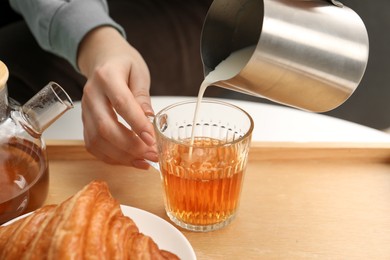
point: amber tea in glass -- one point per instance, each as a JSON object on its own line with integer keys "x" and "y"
{"x": 202, "y": 168}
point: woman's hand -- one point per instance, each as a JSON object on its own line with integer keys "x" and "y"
{"x": 118, "y": 82}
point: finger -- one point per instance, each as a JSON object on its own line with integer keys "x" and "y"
{"x": 137, "y": 163}
{"x": 139, "y": 84}
{"x": 100, "y": 127}
{"x": 137, "y": 149}
{"x": 100, "y": 123}
{"x": 104, "y": 150}
{"x": 127, "y": 106}
{"x": 143, "y": 99}
{"x": 111, "y": 155}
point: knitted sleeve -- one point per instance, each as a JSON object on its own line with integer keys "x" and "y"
{"x": 60, "y": 25}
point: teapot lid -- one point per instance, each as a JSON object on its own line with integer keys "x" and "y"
{"x": 3, "y": 75}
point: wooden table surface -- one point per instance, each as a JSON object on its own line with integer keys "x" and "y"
{"x": 299, "y": 201}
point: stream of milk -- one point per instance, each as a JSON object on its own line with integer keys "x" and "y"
{"x": 226, "y": 69}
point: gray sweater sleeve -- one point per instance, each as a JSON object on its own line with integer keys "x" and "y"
{"x": 60, "y": 25}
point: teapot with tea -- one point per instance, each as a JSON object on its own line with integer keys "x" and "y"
{"x": 24, "y": 177}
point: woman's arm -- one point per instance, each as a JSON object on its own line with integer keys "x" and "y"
{"x": 59, "y": 26}
{"x": 118, "y": 79}
{"x": 118, "y": 82}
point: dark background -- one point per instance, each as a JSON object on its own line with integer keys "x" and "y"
{"x": 7, "y": 15}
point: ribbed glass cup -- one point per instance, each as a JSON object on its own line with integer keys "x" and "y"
{"x": 202, "y": 177}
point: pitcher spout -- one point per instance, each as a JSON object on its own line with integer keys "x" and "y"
{"x": 46, "y": 107}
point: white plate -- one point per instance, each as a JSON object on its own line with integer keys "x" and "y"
{"x": 165, "y": 235}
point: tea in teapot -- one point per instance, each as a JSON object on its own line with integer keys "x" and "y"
{"x": 24, "y": 176}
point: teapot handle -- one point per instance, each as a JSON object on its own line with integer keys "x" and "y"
{"x": 336, "y": 3}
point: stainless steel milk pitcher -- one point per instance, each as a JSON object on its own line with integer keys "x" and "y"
{"x": 309, "y": 54}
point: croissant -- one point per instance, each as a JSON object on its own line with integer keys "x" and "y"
{"x": 88, "y": 225}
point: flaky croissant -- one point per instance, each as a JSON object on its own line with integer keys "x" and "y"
{"x": 89, "y": 225}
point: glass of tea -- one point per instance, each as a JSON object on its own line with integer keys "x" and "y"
{"x": 203, "y": 150}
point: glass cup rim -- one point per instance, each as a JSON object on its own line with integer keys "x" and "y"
{"x": 204, "y": 100}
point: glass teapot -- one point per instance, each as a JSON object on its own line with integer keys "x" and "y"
{"x": 24, "y": 177}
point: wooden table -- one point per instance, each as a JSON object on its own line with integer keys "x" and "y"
{"x": 299, "y": 200}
